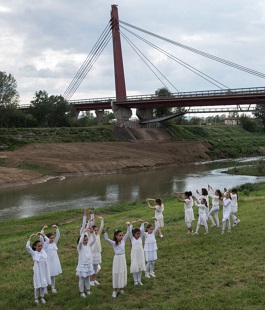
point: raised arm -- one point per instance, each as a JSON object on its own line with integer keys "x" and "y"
{"x": 42, "y": 231}
{"x": 83, "y": 222}
{"x": 107, "y": 238}
{"x": 128, "y": 231}
{"x": 92, "y": 218}
{"x": 101, "y": 225}
{"x": 92, "y": 238}
{"x": 28, "y": 247}
{"x": 148, "y": 203}
{"x": 178, "y": 193}
{"x": 57, "y": 235}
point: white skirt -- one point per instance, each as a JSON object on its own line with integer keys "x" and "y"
{"x": 202, "y": 220}
{"x": 119, "y": 271}
{"x": 189, "y": 216}
{"x": 160, "y": 220}
{"x": 234, "y": 209}
{"x": 137, "y": 259}
{"x": 54, "y": 264}
{"x": 41, "y": 274}
{"x": 84, "y": 270}
{"x": 150, "y": 255}
{"x": 96, "y": 258}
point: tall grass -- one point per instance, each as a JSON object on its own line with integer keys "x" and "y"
{"x": 211, "y": 271}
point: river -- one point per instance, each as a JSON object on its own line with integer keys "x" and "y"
{"x": 104, "y": 190}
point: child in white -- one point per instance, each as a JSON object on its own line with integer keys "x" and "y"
{"x": 188, "y": 204}
{"x": 41, "y": 271}
{"x": 150, "y": 249}
{"x": 96, "y": 251}
{"x": 119, "y": 267}
{"x": 216, "y": 199}
{"x": 159, "y": 208}
{"x": 137, "y": 253}
{"x": 234, "y": 206}
{"x": 204, "y": 194}
{"x": 84, "y": 268}
{"x": 202, "y": 220}
{"x": 50, "y": 247}
{"x": 226, "y": 212}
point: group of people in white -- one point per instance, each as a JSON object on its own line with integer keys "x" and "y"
{"x": 47, "y": 264}
{"x": 201, "y": 201}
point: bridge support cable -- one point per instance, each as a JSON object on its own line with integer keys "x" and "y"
{"x": 138, "y": 52}
{"x": 181, "y": 62}
{"x": 88, "y": 63}
{"x": 207, "y": 55}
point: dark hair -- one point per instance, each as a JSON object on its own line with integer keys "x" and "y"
{"x": 94, "y": 226}
{"x": 78, "y": 239}
{"x": 135, "y": 230}
{"x": 116, "y": 232}
{"x": 234, "y": 191}
{"x": 204, "y": 192}
{"x": 188, "y": 193}
{"x": 159, "y": 201}
{"x": 148, "y": 226}
{"x": 34, "y": 244}
{"x": 219, "y": 193}
{"x": 49, "y": 235}
{"x": 205, "y": 202}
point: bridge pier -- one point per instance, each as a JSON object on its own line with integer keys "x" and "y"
{"x": 144, "y": 114}
{"x": 100, "y": 116}
{"x": 122, "y": 114}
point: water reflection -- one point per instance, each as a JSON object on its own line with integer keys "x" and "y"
{"x": 103, "y": 190}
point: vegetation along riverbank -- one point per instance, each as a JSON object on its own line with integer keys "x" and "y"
{"x": 211, "y": 271}
{"x": 33, "y": 155}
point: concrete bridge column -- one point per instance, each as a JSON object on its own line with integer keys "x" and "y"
{"x": 122, "y": 114}
{"x": 100, "y": 116}
{"x": 144, "y": 114}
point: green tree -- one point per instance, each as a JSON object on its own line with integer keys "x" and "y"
{"x": 260, "y": 114}
{"x": 163, "y": 92}
{"x": 8, "y": 90}
{"x": 51, "y": 111}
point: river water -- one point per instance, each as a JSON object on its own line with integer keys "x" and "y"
{"x": 103, "y": 190}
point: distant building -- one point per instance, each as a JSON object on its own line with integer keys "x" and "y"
{"x": 232, "y": 121}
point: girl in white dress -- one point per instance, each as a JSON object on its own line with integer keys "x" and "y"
{"x": 84, "y": 268}
{"x": 119, "y": 267}
{"x": 150, "y": 249}
{"x": 226, "y": 212}
{"x": 216, "y": 199}
{"x": 96, "y": 251}
{"x": 137, "y": 252}
{"x": 202, "y": 220}
{"x": 188, "y": 204}
{"x": 50, "y": 247}
{"x": 159, "y": 208}
{"x": 41, "y": 271}
{"x": 234, "y": 206}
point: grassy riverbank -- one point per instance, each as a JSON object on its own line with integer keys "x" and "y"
{"x": 211, "y": 271}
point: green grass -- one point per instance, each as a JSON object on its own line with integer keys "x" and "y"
{"x": 34, "y": 167}
{"x": 211, "y": 271}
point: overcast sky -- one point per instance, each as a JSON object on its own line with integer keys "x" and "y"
{"x": 44, "y": 43}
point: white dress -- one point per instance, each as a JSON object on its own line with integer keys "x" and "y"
{"x": 51, "y": 250}
{"x": 137, "y": 252}
{"x": 189, "y": 215}
{"x": 159, "y": 215}
{"x": 119, "y": 267}
{"x": 234, "y": 205}
{"x": 150, "y": 246}
{"x": 41, "y": 271}
{"x": 85, "y": 267}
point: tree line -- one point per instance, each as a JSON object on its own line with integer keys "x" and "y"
{"x": 54, "y": 111}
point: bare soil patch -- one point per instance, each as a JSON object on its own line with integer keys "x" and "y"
{"x": 96, "y": 157}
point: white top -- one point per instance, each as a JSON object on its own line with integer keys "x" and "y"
{"x": 188, "y": 204}
{"x": 234, "y": 200}
{"x": 119, "y": 249}
{"x": 201, "y": 208}
{"x": 96, "y": 247}
{"x": 205, "y": 197}
{"x": 84, "y": 251}
{"x": 226, "y": 207}
{"x": 48, "y": 247}
{"x": 36, "y": 255}
{"x": 159, "y": 211}
{"x": 84, "y": 223}
{"x": 215, "y": 199}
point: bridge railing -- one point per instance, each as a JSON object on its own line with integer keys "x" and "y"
{"x": 207, "y": 93}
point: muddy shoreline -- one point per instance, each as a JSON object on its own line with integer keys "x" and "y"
{"x": 90, "y": 158}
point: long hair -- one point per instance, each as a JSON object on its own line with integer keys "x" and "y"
{"x": 204, "y": 192}
{"x": 135, "y": 230}
{"x": 158, "y": 201}
{"x": 234, "y": 191}
{"x": 219, "y": 193}
{"x": 116, "y": 232}
{"x": 205, "y": 202}
{"x": 148, "y": 226}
